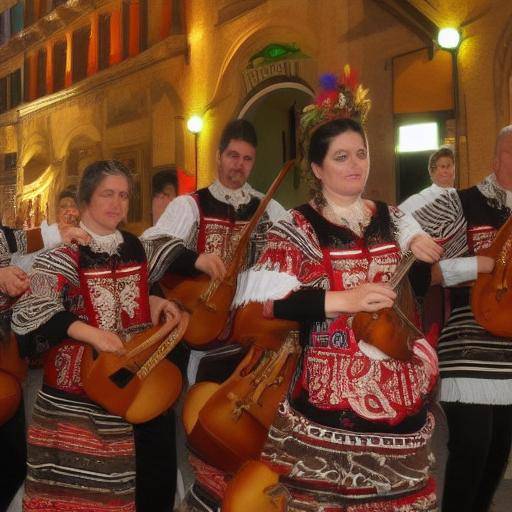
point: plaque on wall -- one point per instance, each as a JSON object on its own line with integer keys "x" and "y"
{"x": 275, "y": 59}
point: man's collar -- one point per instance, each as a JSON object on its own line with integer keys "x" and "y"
{"x": 234, "y": 197}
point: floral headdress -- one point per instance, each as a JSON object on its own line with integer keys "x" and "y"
{"x": 338, "y": 98}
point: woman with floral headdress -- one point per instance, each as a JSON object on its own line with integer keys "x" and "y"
{"x": 352, "y": 434}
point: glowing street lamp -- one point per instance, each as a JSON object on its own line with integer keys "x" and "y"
{"x": 448, "y": 38}
{"x": 195, "y": 124}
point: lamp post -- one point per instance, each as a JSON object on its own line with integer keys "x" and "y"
{"x": 195, "y": 125}
{"x": 449, "y": 39}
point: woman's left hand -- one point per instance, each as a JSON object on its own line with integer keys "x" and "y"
{"x": 163, "y": 310}
{"x": 425, "y": 248}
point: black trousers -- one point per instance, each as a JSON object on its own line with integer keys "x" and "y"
{"x": 478, "y": 448}
{"x": 13, "y": 457}
{"x": 155, "y": 464}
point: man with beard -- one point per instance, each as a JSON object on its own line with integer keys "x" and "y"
{"x": 210, "y": 221}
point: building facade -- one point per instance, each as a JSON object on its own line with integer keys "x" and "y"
{"x": 82, "y": 80}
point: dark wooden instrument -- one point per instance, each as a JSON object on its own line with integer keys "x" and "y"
{"x": 391, "y": 329}
{"x": 141, "y": 384}
{"x": 227, "y": 424}
{"x": 491, "y": 296}
{"x": 209, "y": 301}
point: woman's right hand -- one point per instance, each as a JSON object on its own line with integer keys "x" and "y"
{"x": 366, "y": 297}
{"x": 102, "y": 341}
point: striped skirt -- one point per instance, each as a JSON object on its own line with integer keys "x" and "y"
{"x": 326, "y": 469}
{"x": 80, "y": 458}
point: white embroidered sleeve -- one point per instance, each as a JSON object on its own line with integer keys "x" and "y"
{"x": 458, "y": 270}
{"x": 178, "y": 220}
{"x": 408, "y": 228}
{"x": 51, "y": 235}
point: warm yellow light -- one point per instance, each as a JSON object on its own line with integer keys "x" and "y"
{"x": 448, "y": 38}
{"x": 195, "y": 124}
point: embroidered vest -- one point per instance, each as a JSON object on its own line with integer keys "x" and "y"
{"x": 336, "y": 374}
{"x": 113, "y": 295}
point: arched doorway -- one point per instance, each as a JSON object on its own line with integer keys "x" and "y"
{"x": 274, "y": 111}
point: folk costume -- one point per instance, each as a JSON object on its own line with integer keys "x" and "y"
{"x": 211, "y": 220}
{"x": 352, "y": 434}
{"x": 12, "y": 433}
{"x": 79, "y": 456}
{"x": 475, "y": 365}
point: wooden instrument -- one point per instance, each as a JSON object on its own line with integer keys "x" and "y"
{"x": 255, "y": 488}
{"x": 141, "y": 384}
{"x": 390, "y": 329}
{"x": 491, "y": 297}
{"x": 10, "y": 396}
{"x": 10, "y": 360}
{"x": 227, "y": 424}
{"x": 209, "y": 301}
{"x": 13, "y": 371}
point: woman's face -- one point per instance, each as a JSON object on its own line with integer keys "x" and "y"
{"x": 344, "y": 171}
{"x": 67, "y": 212}
{"x": 108, "y": 205}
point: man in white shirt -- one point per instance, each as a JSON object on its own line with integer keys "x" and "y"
{"x": 441, "y": 167}
{"x": 475, "y": 365}
{"x": 210, "y": 222}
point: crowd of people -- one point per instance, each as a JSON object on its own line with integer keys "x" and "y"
{"x": 354, "y": 431}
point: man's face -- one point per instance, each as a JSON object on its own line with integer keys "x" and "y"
{"x": 443, "y": 174}
{"x": 235, "y": 163}
{"x": 502, "y": 164}
{"x": 161, "y": 200}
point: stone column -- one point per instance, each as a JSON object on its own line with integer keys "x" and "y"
{"x": 116, "y": 36}
{"x": 92, "y": 56}
{"x": 134, "y": 42}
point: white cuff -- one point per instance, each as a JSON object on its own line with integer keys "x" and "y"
{"x": 51, "y": 235}
{"x": 408, "y": 228}
{"x": 458, "y": 270}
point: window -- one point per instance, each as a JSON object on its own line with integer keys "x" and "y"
{"x": 16, "y": 18}
{"x": 15, "y": 79}
{"x": 59, "y": 65}
{"x": 41, "y": 73}
{"x": 418, "y": 137}
{"x": 3, "y": 94}
{"x": 104, "y": 41}
{"x": 80, "y": 52}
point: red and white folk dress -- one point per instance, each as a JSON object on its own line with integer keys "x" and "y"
{"x": 352, "y": 434}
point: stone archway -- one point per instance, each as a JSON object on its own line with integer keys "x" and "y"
{"x": 274, "y": 110}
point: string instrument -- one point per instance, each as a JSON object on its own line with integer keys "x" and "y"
{"x": 227, "y": 424}
{"x": 491, "y": 300}
{"x": 208, "y": 300}
{"x": 255, "y": 488}
{"x": 13, "y": 371}
{"x": 140, "y": 384}
{"x": 390, "y": 329}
